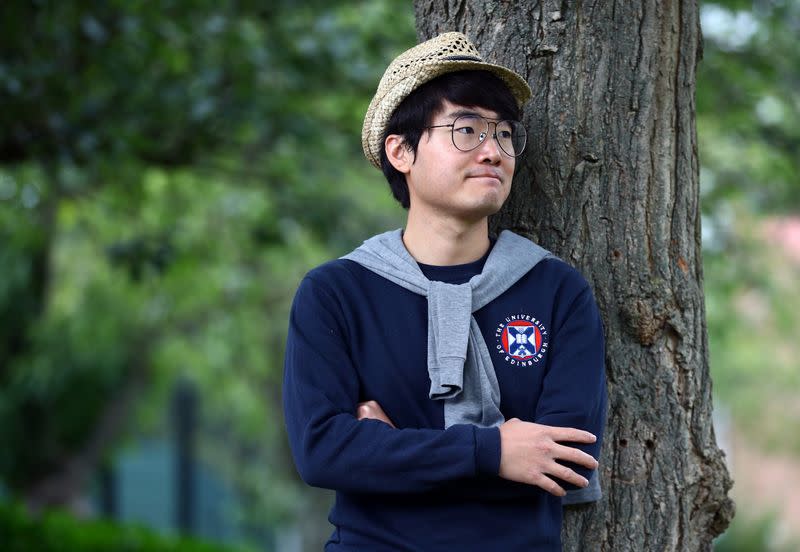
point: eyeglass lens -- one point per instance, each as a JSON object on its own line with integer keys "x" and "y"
{"x": 469, "y": 132}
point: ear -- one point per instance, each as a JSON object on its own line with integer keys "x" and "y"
{"x": 398, "y": 154}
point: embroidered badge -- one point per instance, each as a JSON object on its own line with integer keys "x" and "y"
{"x": 521, "y": 340}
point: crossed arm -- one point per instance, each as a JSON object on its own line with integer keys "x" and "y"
{"x": 341, "y": 444}
{"x": 528, "y": 452}
{"x": 548, "y": 451}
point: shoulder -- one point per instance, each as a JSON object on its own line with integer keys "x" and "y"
{"x": 550, "y": 270}
{"x": 568, "y": 292}
{"x": 323, "y": 294}
{"x": 573, "y": 301}
{"x": 332, "y": 271}
{"x": 560, "y": 276}
{"x": 341, "y": 280}
{"x": 331, "y": 278}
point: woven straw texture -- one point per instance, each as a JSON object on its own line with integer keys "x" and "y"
{"x": 445, "y": 53}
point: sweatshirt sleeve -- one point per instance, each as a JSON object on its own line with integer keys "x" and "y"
{"x": 574, "y": 389}
{"x": 331, "y": 447}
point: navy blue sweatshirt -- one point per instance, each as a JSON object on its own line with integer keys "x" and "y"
{"x": 354, "y": 336}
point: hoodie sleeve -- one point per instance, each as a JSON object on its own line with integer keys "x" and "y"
{"x": 331, "y": 447}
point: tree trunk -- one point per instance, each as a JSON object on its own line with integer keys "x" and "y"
{"x": 610, "y": 184}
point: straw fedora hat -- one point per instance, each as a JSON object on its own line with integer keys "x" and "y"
{"x": 445, "y": 53}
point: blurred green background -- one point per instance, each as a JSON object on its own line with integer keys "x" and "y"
{"x": 168, "y": 173}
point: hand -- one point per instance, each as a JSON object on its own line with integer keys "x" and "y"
{"x": 528, "y": 454}
{"x": 373, "y": 411}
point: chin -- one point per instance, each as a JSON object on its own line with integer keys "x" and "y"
{"x": 492, "y": 203}
{"x": 481, "y": 211}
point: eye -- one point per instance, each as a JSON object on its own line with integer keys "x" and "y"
{"x": 504, "y": 130}
{"x": 467, "y": 125}
{"x": 464, "y": 129}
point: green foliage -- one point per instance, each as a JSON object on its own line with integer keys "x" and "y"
{"x": 748, "y": 119}
{"x": 751, "y": 306}
{"x": 753, "y": 535}
{"x": 748, "y": 104}
{"x": 169, "y": 174}
{"x": 57, "y": 532}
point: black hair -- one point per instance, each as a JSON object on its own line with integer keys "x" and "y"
{"x": 466, "y": 88}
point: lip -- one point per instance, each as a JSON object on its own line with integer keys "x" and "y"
{"x": 486, "y": 174}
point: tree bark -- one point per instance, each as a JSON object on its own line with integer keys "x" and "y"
{"x": 610, "y": 184}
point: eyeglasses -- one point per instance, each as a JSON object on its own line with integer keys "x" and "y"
{"x": 469, "y": 132}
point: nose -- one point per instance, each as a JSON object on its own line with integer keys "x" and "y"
{"x": 489, "y": 150}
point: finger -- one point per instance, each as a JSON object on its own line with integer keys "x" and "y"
{"x": 378, "y": 413}
{"x": 368, "y": 409}
{"x": 571, "y": 434}
{"x": 576, "y": 456}
{"x": 547, "y": 484}
{"x": 568, "y": 475}
{"x": 363, "y": 411}
{"x": 372, "y": 410}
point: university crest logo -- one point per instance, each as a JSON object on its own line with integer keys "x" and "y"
{"x": 522, "y": 340}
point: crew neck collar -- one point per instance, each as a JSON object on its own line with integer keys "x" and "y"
{"x": 455, "y": 274}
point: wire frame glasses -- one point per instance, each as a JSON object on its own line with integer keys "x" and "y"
{"x": 470, "y": 131}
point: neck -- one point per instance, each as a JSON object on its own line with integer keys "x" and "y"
{"x": 444, "y": 242}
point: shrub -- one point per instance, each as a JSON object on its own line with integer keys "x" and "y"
{"x": 60, "y": 532}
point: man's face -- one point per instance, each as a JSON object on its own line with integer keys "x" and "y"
{"x": 468, "y": 185}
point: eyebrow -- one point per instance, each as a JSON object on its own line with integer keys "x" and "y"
{"x": 467, "y": 112}
{"x": 462, "y": 112}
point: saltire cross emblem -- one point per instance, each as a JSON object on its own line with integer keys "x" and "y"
{"x": 521, "y": 339}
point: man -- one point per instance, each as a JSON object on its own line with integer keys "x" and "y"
{"x": 448, "y": 386}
